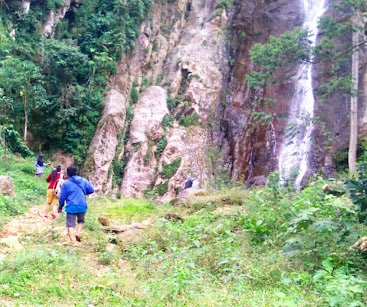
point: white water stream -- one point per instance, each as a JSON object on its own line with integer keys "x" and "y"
{"x": 294, "y": 153}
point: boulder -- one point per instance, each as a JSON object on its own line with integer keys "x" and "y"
{"x": 7, "y": 186}
{"x": 104, "y": 220}
{"x": 361, "y": 244}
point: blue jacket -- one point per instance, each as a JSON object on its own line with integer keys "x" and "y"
{"x": 73, "y": 191}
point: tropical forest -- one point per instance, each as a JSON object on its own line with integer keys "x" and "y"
{"x": 222, "y": 145}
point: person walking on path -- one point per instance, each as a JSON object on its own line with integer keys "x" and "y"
{"x": 52, "y": 199}
{"x": 40, "y": 166}
{"x": 73, "y": 192}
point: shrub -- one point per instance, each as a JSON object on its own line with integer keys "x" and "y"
{"x": 161, "y": 145}
{"x": 226, "y": 4}
{"x": 167, "y": 121}
{"x": 169, "y": 170}
{"x": 162, "y": 188}
{"x": 134, "y": 95}
{"x": 188, "y": 121}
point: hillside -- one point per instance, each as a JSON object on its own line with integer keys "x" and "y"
{"x": 233, "y": 247}
{"x": 141, "y": 93}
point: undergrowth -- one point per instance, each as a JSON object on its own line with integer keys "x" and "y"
{"x": 235, "y": 247}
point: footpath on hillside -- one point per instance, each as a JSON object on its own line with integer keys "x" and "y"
{"x": 31, "y": 223}
{"x": 32, "y": 226}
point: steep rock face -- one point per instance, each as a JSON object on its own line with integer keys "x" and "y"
{"x": 195, "y": 108}
{"x": 332, "y": 127}
{"x": 146, "y": 129}
{"x": 180, "y": 49}
{"x": 196, "y": 69}
{"x": 48, "y": 27}
{"x": 254, "y": 144}
{"x": 104, "y": 144}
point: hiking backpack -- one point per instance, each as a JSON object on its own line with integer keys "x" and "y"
{"x": 57, "y": 186}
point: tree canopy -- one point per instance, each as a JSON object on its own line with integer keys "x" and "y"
{"x": 55, "y": 86}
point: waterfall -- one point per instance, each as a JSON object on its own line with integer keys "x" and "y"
{"x": 294, "y": 153}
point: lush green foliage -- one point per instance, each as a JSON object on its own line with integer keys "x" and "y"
{"x": 289, "y": 49}
{"x": 357, "y": 188}
{"x": 188, "y": 121}
{"x": 333, "y": 51}
{"x": 161, "y": 145}
{"x": 232, "y": 247}
{"x": 77, "y": 62}
{"x": 170, "y": 169}
{"x": 28, "y": 189}
{"x": 161, "y": 189}
{"x": 224, "y": 4}
{"x": 131, "y": 210}
{"x": 14, "y": 141}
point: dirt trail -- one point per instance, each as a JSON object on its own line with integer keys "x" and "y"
{"x": 31, "y": 223}
{"x": 24, "y": 229}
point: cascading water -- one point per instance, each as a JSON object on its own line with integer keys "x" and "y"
{"x": 294, "y": 153}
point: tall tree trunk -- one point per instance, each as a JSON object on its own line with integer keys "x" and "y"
{"x": 25, "y": 117}
{"x": 352, "y": 155}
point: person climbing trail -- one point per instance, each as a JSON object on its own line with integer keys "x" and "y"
{"x": 73, "y": 192}
{"x": 40, "y": 166}
{"x": 52, "y": 200}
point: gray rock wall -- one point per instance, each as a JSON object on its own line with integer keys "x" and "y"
{"x": 179, "y": 57}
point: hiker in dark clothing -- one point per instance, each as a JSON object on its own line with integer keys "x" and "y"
{"x": 188, "y": 182}
{"x": 40, "y": 166}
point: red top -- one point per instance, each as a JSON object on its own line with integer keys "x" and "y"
{"x": 52, "y": 182}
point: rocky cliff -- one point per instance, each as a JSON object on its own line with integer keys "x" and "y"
{"x": 180, "y": 69}
{"x": 180, "y": 104}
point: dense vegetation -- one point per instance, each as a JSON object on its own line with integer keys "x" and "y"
{"x": 234, "y": 247}
{"x": 54, "y": 86}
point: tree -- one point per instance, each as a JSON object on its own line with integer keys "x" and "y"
{"x": 352, "y": 156}
{"x": 22, "y": 82}
{"x": 334, "y": 48}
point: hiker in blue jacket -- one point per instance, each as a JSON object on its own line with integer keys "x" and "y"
{"x": 74, "y": 191}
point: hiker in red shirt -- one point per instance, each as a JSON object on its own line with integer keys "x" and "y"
{"x": 52, "y": 199}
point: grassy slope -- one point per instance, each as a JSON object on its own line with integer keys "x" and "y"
{"x": 233, "y": 248}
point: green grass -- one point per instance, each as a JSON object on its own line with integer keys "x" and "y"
{"x": 130, "y": 209}
{"x": 28, "y": 189}
{"x": 235, "y": 247}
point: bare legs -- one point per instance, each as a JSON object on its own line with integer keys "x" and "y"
{"x": 47, "y": 209}
{"x": 54, "y": 210}
{"x": 74, "y": 232}
{"x": 71, "y": 233}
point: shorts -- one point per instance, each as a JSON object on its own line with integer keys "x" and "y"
{"x": 51, "y": 198}
{"x": 70, "y": 219}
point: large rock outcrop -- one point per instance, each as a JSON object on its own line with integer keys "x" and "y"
{"x": 181, "y": 49}
{"x": 145, "y": 130}
{"x": 7, "y": 186}
{"x": 254, "y": 144}
{"x": 195, "y": 107}
{"x": 103, "y": 147}
{"x": 48, "y": 28}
